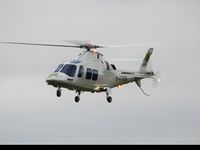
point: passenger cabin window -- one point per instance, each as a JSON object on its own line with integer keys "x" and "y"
{"x": 69, "y": 70}
{"x": 89, "y": 74}
{"x": 95, "y": 75}
{"x": 81, "y": 72}
{"x": 59, "y": 67}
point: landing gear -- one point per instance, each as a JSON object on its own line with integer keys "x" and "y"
{"x": 109, "y": 99}
{"x": 58, "y": 93}
{"x": 108, "y": 95}
{"x": 77, "y": 98}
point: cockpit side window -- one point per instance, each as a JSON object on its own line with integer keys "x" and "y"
{"x": 81, "y": 72}
{"x": 69, "y": 70}
{"x": 113, "y": 66}
{"x": 107, "y": 65}
{"x": 59, "y": 67}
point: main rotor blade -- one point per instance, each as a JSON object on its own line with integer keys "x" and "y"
{"x": 125, "y": 59}
{"x": 89, "y": 43}
{"x": 36, "y": 44}
{"x": 85, "y": 44}
{"x": 135, "y": 45}
{"x": 79, "y": 42}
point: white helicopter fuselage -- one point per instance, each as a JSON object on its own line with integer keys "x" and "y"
{"x": 89, "y": 73}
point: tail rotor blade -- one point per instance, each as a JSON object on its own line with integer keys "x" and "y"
{"x": 156, "y": 79}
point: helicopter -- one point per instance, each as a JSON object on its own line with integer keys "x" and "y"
{"x": 91, "y": 73}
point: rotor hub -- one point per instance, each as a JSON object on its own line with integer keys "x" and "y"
{"x": 89, "y": 47}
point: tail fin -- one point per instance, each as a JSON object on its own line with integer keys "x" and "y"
{"x": 145, "y": 62}
{"x": 144, "y": 70}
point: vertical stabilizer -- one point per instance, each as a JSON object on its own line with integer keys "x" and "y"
{"x": 145, "y": 62}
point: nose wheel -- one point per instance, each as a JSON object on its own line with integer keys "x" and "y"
{"x": 59, "y": 93}
{"x": 77, "y": 98}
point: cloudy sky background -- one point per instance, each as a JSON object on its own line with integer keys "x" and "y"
{"x": 30, "y": 112}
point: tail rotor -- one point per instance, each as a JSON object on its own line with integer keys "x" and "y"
{"x": 146, "y": 72}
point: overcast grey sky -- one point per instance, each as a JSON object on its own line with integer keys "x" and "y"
{"x": 30, "y": 112}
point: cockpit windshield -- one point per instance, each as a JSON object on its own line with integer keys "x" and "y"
{"x": 69, "y": 70}
{"x": 59, "y": 67}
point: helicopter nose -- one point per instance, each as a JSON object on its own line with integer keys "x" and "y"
{"x": 52, "y": 79}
